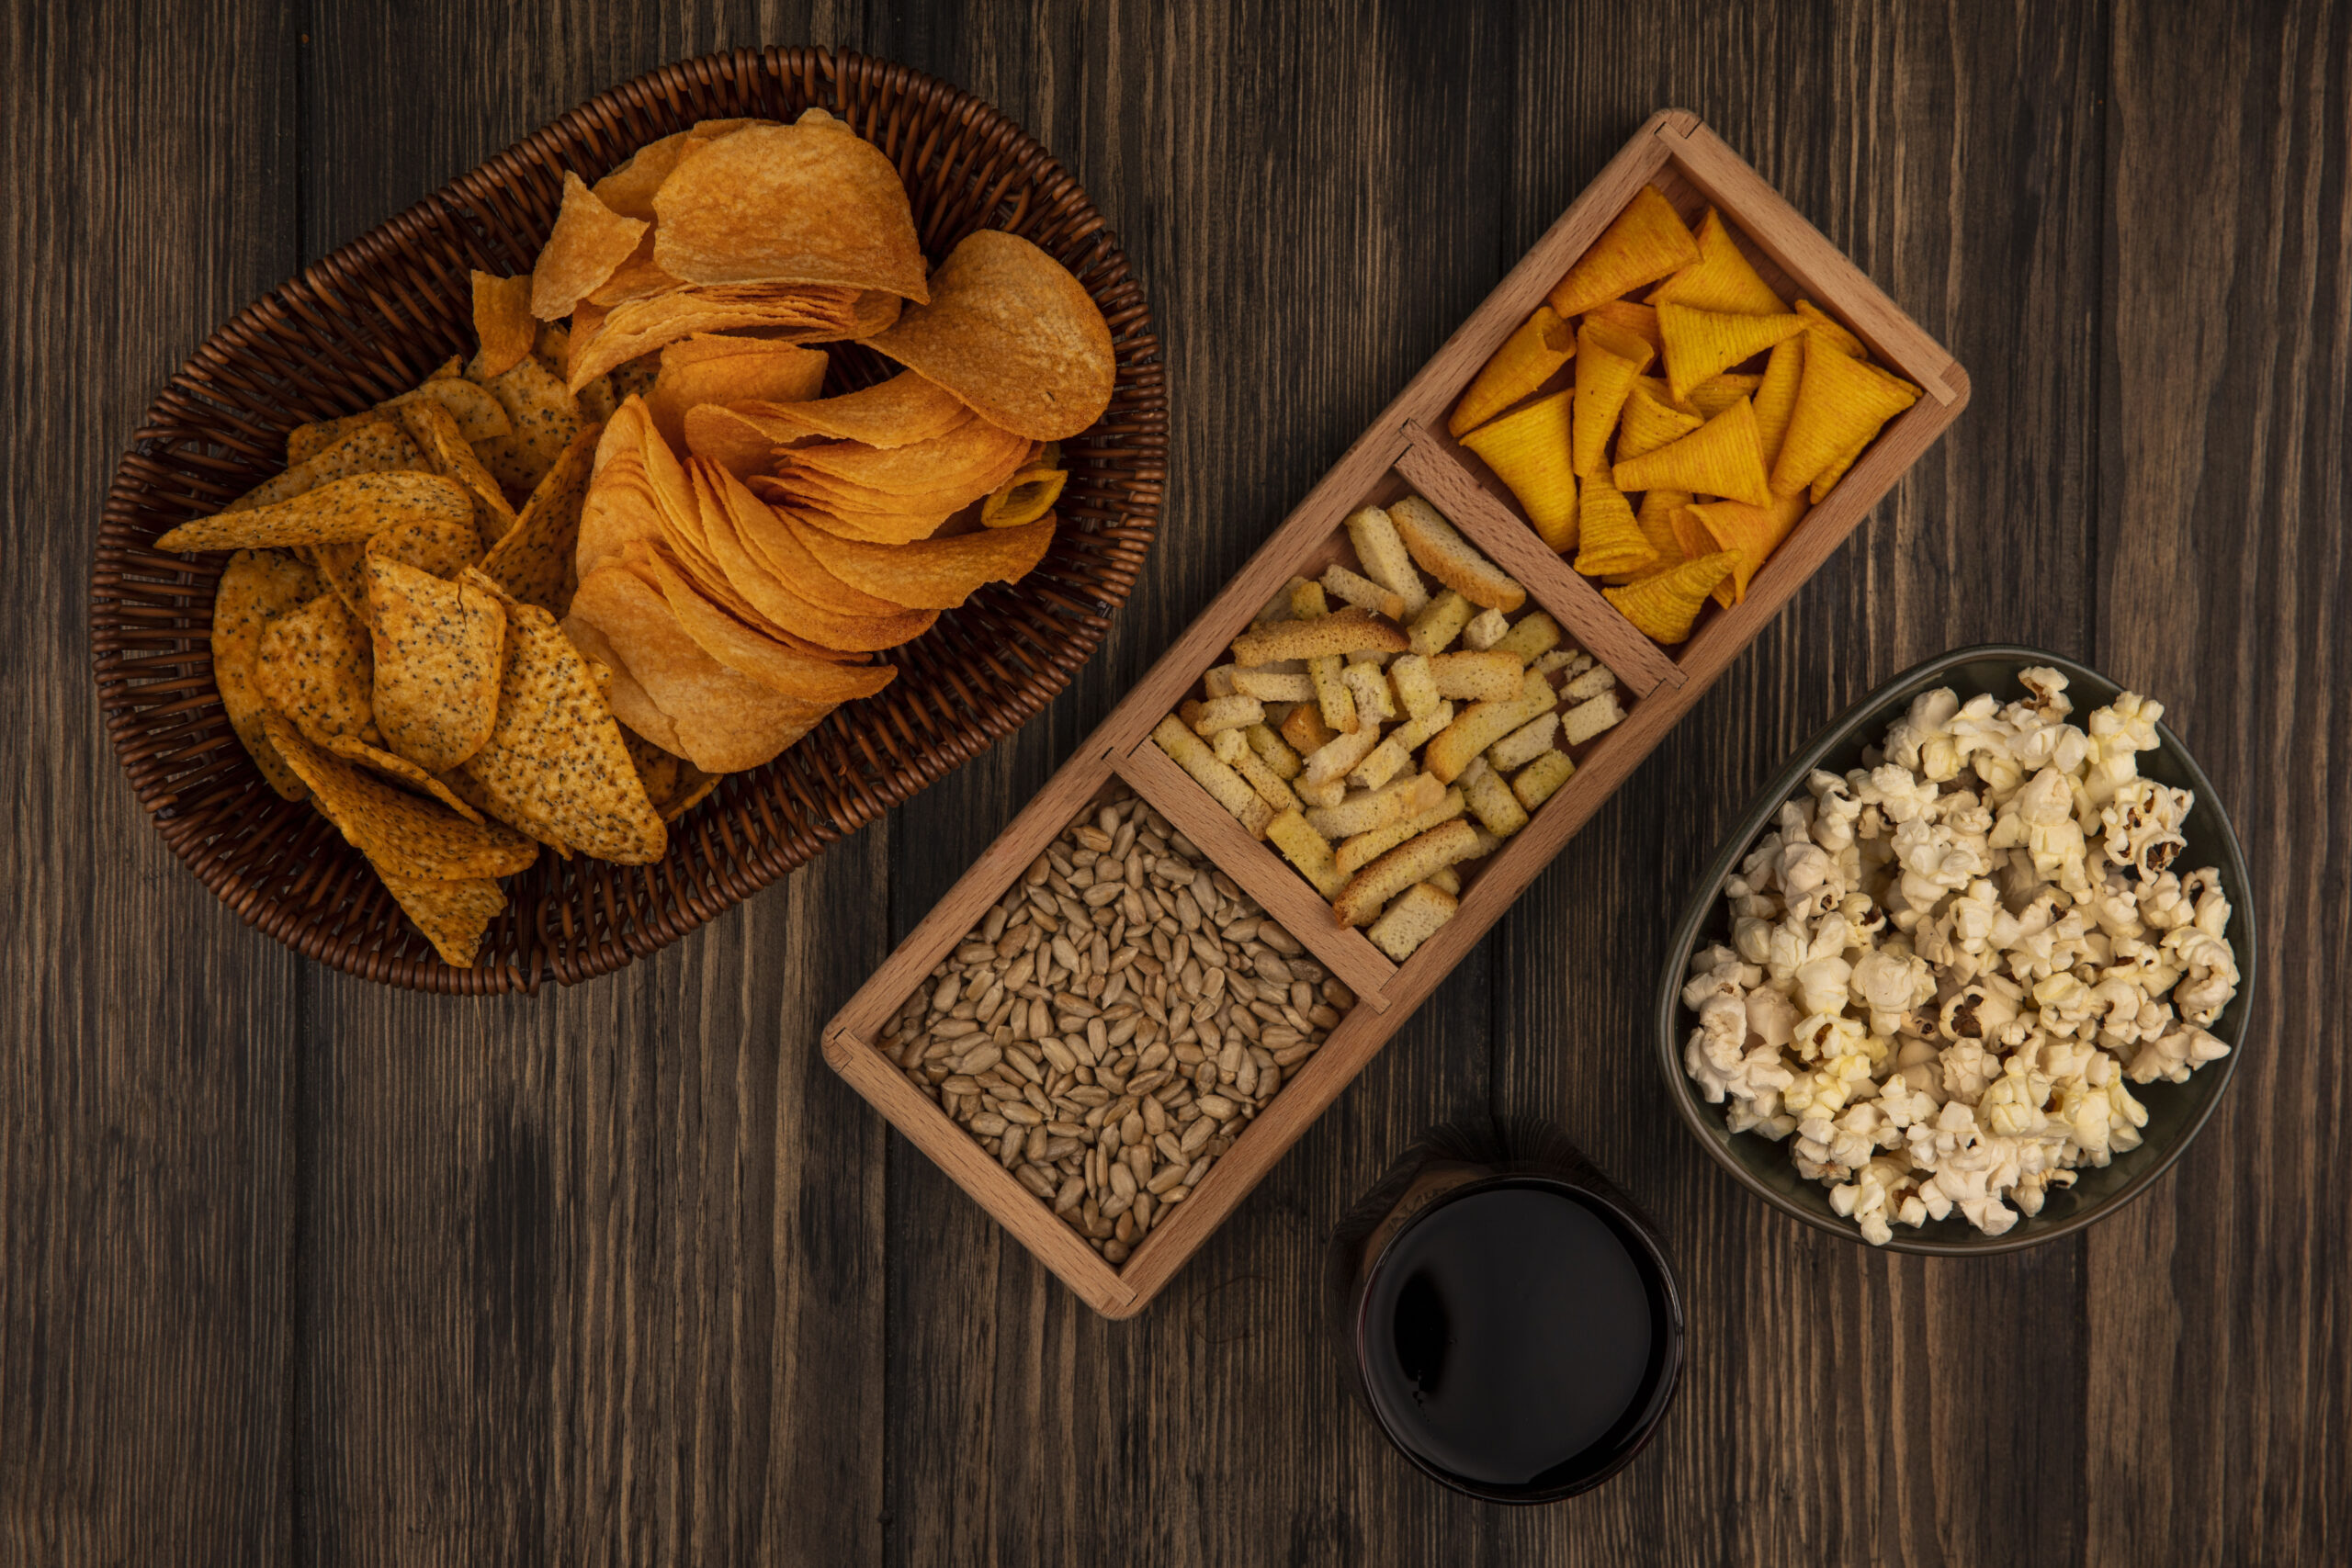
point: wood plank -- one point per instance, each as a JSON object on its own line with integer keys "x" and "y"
{"x": 2215, "y": 1392}
{"x": 149, "y": 1048}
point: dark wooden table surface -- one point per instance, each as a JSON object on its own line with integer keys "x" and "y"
{"x": 294, "y": 1270}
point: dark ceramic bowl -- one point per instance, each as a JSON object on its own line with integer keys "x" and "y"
{"x": 2175, "y": 1111}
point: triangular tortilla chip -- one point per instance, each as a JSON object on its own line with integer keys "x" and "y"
{"x": 452, "y": 914}
{"x": 367, "y": 442}
{"x": 589, "y": 242}
{"x": 256, "y": 588}
{"x": 1527, "y": 358}
{"x": 1721, "y": 279}
{"x": 313, "y": 666}
{"x": 430, "y": 545}
{"x": 344, "y": 509}
{"x": 1609, "y": 540}
{"x": 1840, "y": 401}
{"x": 537, "y": 558}
{"x": 1700, "y": 344}
{"x": 479, "y": 414}
{"x": 401, "y": 833}
{"x": 503, "y": 327}
{"x": 439, "y": 652}
{"x": 1721, "y": 458}
{"x": 1607, "y": 361}
{"x": 1664, "y": 607}
{"x": 435, "y": 430}
{"x": 1528, "y": 450}
{"x": 1645, "y": 243}
{"x": 555, "y": 763}
{"x": 546, "y": 417}
{"x": 390, "y": 765}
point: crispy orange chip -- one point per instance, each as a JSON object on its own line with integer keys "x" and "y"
{"x": 1651, "y": 419}
{"x": 1028, "y": 495}
{"x": 1656, "y": 520}
{"x": 674, "y": 692}
{"x": 395, "y": 829}
{"x": 1637, "y": 320}
{"x": 1776, "y": 394}
{"x": 628, "y": 190}
{"x": 392, "y": 765}
{"x": 793, "y": 312}
{"x": 436, "y": 434}
{"x": 1700, "y": 344}
{"x": 1721, "y": 279}
{"x": 256, "y": 588}
{"x": 1751, "y": 532}
{"x": 1607, "y": 361}
{"x": 785, "y": 583}
{"x": 753, "y": 653}
{"x": 1012, "y": 334}
{"x": 554, "y": 764}
{"x": 589, "y": 243}
{"x": 1829, "y": 329}
{"x": 760, "y": 372}
{"x": 742, "y": 439}
{"x": 1609, "y": 540}
{"x": 1841, "y": 402}
{"x": 802, "y": 204}
{"x": 546, "y": 417}
{"x": 503, "y": 325}
{"x": 1646, "y": 243}
{"x": 434, "y": 544}
{"x": 952, "y": 470}
{"x": 439, "y": 651}
{"x": 1722, "y": 457}
{"x": 1528, "y": 450}
{"x": 1716, "y": 394}
{"x": 536, "y": 560}
{"x": 620, "y": 505}
{"x": 932, "y": 574}
{"x": 344, "y": 509}
{"x": 1664, "y": 607}
{"x": 845, "y": 519}
{"x": 1827, "y": 480}
{"x": 898, "y": 411}
{"x": 313, "y": 666}
{"x": 1527, "y": 358}
{"x": 453, "y": 914}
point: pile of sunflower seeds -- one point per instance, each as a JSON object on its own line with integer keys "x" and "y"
{"x": 1115, "y": 1021}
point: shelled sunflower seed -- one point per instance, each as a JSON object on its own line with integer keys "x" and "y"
{"x": 1115, "y": 1021}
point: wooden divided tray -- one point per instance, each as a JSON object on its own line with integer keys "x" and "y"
{"x": 1406, "y": 450}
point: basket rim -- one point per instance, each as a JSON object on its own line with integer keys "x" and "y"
{"x": 845, "y": 798}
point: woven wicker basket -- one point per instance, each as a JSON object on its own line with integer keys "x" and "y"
{"x": 374, "y": 316}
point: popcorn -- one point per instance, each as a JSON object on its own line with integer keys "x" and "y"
{"x": 1947, "y": 967}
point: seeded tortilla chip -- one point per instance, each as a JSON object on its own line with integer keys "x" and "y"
{"x": 545, "y": 418}
{"x": 479, "y": 414}
{"x": 1647, "y": 242}
{"x": 439, "y": 649}
{"x": 503, "y": 326}
{"x": 366, "y": 443}
{"x": 436, "y": 434}
{"x": 535, "y": 562}
{"x": 257, "y": 587}
{"x": 391, "y": 766}
{"x": 758, "y": 372}
{"x": 1013, "y": 336}
{"x": 555, "y": 763}
{"x": 929, "y": 574}
{"x": 896, "y": 412}
{"x": 399, "y": 832}
{"x": 1663, "y": 607}
{"x": 589, "y": 242}
{"x": 345, "y": 509}
{"x": 453, "y": 914}
{"x": 813, "y": 203}
{"x": 674, "y": 692}
{"x": 764, "y": 660}
{"x": 1721, "y": 279}
{"x": 313, "y": 666}
{"x": 435, "y": 546}
{"x": 1723, "y": 456}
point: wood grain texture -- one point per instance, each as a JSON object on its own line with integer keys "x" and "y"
{"x": 293, "y": 1270}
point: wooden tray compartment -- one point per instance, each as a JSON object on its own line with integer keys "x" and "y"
{"x": 1406, "y": 449}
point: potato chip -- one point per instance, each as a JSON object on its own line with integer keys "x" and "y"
{"x": 452, "y": 913}
{"x": 676, "y": 693}
{"x": 546, "y": 417}
{"x": 1716, "y": 394}
{"x": 815, "y": 489}
{"x": 536, "y": 560}
{"x": 256, "y": 588}
{"x": 1664, "y": 607}
{"x": 589, "y": 243}
{"x": 1751, "y": 533}
{"x": 799, "y": 204}
{"x": 1700, "y": 344}
{"x": 1776, "y": 394}
{"x": 433, "y": 544}
{"x": 1631, "y": 319}
{"x": 435, "y": 430}
{"x": 1013, "y": 336}
{"x": 793, "y": 312}
{"x": 1609, "y": 538}
{"x": 619, "y": 506}
{"x": 934, "y": 574}
{"x": 1840, "y": 401}
{"x": 555, "y": 763}
{"x": 636, "y": 711}
{"x": 390, "y": 765}
{"x": 896, "y": 412}
{"x": 1645, "y": 243}
{"x": 953, "y": 469}
{"x": 628, "y": 189}
{"x": 764, "y": 660}
{"x": 764, "y": 372}
{"x": 1831, "y": 332}
{"x": 396, "y": 830}
{"x": 503, "y": 325}
{"x": 1721, "y": 279}
{"x": 1528, "y": 450}
{"x": 1028, "y": 495}
{"x": 1721, "y": 458}
{"x": 742, "y": 440}
{"x": 1527, "y": 358}
{"x": 1650, "y": 419}
{"x": 786, "y": 584}
{"x": 843, "y": 520}
{"x": 1607, "y": 361}
{"x": 440, "y": 648}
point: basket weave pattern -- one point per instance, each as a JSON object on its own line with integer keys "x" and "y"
{"x": 377, "y": 315}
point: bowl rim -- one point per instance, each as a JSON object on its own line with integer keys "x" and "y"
{"x": 1871, "y": 711}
